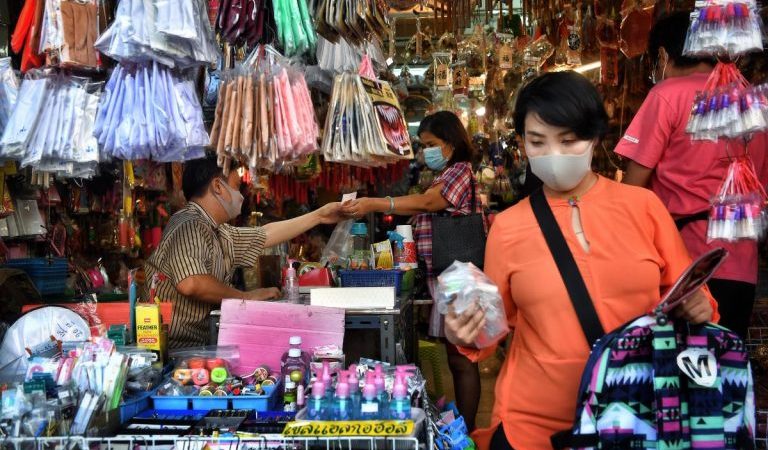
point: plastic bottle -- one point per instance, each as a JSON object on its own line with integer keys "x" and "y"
{"x": 369, "y": 407}
{"x": 325, "y": 377}
{"x": 317, "y": 407}
{"x": 381, "y": 391}
{"x": 400, "y": 406}
{"x": 342, "y": 406}
{"x": 292, "y": 286}
{"x": 294, "y": 369}
{"x": 354, "y": 389}
{"x": 295, "y": 342}
{"x": 289, "y": 397}
{"x": 361, "y": 249}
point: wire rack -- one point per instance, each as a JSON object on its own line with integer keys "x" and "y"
{"x": 265, "y": 442}
{"x": 757, "y": 345}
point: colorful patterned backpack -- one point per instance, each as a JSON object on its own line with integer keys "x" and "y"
{"x": 660, "y": 384}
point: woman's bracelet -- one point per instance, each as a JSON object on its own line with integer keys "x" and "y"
{"x": 391, "y": 204}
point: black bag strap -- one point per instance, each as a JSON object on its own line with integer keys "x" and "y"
{"x": 686, "y": 220}
{"x": 569, "y": 271}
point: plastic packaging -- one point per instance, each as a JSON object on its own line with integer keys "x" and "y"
{"x": 176, "y": 33}
{"x": 462, "y": 284}
{"x": 724, "y": 28}
{"x": 9, "y": 91}
{"x": 339, "y": 248}
{"x": 737, "y": 212}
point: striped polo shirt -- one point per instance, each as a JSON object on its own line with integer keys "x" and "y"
{"x": 193, "y": 244}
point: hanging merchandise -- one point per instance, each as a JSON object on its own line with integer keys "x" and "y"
{"x": 163, "y": 123}
{"x": 728, "y": 106}
{"x": 365, "y": 125}
{"x": 176, "y": 33}
{"x": 264, "y": 115}
{"x": 294, "y": 26}
{"x": 245, "y": 22}
{"x": 738, "y": 210}
{"x": 724, "y": 28}
{"x": 635, "y": 29}
{"x": 9, "y": 90}
{"x": 354, "y": 20}
{"x": 68, "y": 32}
{"x": 342, "y": 56}
{"x": 51, "y": 128}
{"x": 26, "y": 36}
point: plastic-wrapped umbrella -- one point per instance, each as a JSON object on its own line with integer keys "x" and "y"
{"x": 35, "y": 332}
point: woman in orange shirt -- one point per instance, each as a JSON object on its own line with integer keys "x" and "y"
{"x": 623, "y": 240}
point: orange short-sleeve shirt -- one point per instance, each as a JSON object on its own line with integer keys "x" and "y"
{"x": 635, "y": 252}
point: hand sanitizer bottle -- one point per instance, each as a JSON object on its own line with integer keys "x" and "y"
{"x": 317, "y": 407}
{"x": 400, "y": 406}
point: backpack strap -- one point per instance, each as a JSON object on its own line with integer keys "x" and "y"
{"x": 566, "y": 439}
{"x": 569, "y": 271}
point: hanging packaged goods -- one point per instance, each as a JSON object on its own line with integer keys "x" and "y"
{"x": 51, "y": 127}
{"x": 244, "y": 21}
{"x": 264, "y": 115}
{"x": 724, "y": 28}
{"x": 176, "y": 33}
{"x": 365, "y": 125}
{"x": 729, "y": 106}
{"x": 150, "y": 111}
{"x": 353, "y": 20}
{"x": 9, "y": 91}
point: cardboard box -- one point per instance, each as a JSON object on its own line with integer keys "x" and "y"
{"x": 150, "y": 333}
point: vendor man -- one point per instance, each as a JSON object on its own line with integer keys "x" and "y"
{"x": 199, "y": 251}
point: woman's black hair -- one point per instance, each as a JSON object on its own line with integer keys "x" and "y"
{"x": 198, "y": 174}
{"x": 670, "y": 32}
{"x": 447, "y": 127}
{"x": 563, "y": 99}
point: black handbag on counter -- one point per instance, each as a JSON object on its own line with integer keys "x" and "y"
{"x": 458, "y": 238}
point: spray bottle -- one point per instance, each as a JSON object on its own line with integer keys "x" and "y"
{"x": 400, "y": 406}
{"x": 369, "y": 406}
{"x": 317, "y": 407}
{"x": 381, "y": 391}
{"x": 342, "y": 406}
{"x": 354, "y": 389}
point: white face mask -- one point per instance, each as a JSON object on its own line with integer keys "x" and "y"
{"x": 562, "y": 173}
{"x": 235, "y": 205}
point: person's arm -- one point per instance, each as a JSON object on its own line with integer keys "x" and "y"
{"x": 647, "y": 138}
{"x": 208, "y": 289}
{"x": 637, "y": 174}
{"x": 701, "y": 307}
{"x": 279, "y": 232}
{"x": 407, "y": 205}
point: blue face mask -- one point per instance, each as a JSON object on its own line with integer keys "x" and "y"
{"x": 433, "y": 157}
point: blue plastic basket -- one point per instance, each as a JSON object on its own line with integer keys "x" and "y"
{"x": 259, "y": 403}
{"x": 49, "y": 275}
{"x": 372, "y": 278}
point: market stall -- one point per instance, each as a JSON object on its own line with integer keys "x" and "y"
{"x": 104, "y": 103}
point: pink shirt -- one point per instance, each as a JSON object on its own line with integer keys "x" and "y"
{"x": 688, "y": 173}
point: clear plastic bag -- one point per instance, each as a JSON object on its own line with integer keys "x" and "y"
{"x": 461, "y": 285}
{"x": 9, "y": 91}
{"x": 337, "y": 251}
